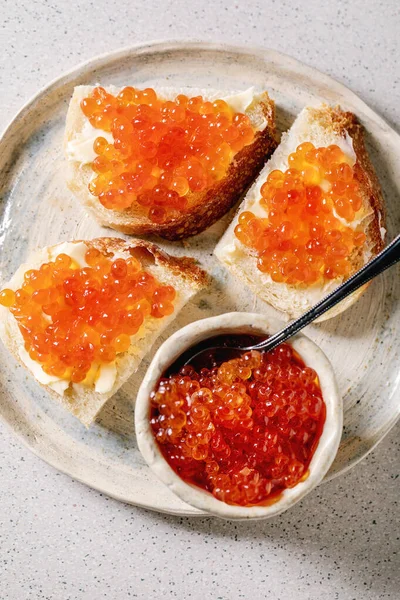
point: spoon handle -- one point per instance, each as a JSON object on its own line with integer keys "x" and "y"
{"x": 385, "y": 259}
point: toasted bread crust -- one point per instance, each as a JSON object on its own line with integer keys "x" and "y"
{"x": 344, "y": 123}
{"x": 183, "y": 266}
{"x": 292, "y": 300}
{"x": 205, "y": 207}
{"x": 366, "y": 176}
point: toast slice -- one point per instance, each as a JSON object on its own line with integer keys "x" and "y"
{"x": 84, "y": 400}
{"x": 323, "y": 126}
{"x": 203, "y": 207}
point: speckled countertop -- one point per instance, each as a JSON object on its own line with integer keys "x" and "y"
{"x": 61, "y": 540}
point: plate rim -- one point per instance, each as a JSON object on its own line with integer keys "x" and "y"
{"x": 160, "y": 46}
{"x": 164, "y": 45}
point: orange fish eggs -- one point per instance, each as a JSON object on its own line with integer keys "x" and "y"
{"x": 245, "y": 430}
{"x": 162, "y": 150}
{"x": 305, "y": 237}
{"x": 73, "y": 318}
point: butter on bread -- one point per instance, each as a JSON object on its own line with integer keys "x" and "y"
{"x": 321, "y": 126}
{"x": 206, "y": 207}
{"x": 84, "y": 401}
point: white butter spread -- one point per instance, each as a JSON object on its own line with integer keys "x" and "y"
{"x": 105, "y": 378}
{"x": 381, "y": 229}
{"x": 346, "y": 145}
{"x": 80, "y": 148}
{"x": 106, "y": 374}
{"x": 354, "y": 223}
{"x": 57, "y": 384}
{"x": 241, "y": 101}
{"x": 75, "y": 251}
{"x": 229, "y": 249}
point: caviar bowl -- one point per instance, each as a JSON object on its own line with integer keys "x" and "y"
{"x": 251, "y": 324}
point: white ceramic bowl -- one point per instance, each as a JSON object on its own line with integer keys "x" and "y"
{"x": 238, "y": 323}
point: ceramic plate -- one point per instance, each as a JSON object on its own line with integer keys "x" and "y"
{"x": 36, "y": 209}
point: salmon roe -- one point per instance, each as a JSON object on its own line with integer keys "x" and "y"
{"x": 161, "y": 150}
{"x": 74, "y": 319}
{"x": 244, "y": 430}
{"x": 306, "y": 238}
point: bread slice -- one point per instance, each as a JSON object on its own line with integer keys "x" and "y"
{"x": 84, "y": 401}
{"x": 207, "y": 206}
{"x": 321, "y": 126}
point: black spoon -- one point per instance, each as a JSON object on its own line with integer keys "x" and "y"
{"x": 385, "y": 259}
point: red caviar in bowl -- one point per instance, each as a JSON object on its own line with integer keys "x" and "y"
{"x": 73, "y": 319}
{"x": 244, "y": 430}
{"x": 306, "y": 236}
{"x": 162, "y": 150}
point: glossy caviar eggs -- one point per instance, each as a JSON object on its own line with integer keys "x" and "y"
{"x": 163, "y": 151}
{"x": 73, "y": 319}
{"x": 306, "y": 236}
{"x": 243, "y": 430}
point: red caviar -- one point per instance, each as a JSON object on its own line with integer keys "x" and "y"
{"x": 245, "y": 430}
{"x": 305, "y": 237}
{"x": 74, "y": 319}
{"x": 161, "y": 150}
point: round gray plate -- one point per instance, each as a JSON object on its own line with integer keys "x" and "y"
{"x": 36, "y": 209}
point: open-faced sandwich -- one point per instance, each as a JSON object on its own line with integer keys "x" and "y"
{"x": 314, "y": 216}
{"x": 166, "y": 162}
{"x": 81, "y": 315}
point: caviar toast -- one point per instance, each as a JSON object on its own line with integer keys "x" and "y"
{"x": 163, "y": 162}
{"x": 80, "y": 316}
{"x": 314, "y": 216}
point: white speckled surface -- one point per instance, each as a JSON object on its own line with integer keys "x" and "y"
{"x": 59, "y": 539}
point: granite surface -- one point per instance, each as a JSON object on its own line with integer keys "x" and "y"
{"x": 61, "y": 540}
